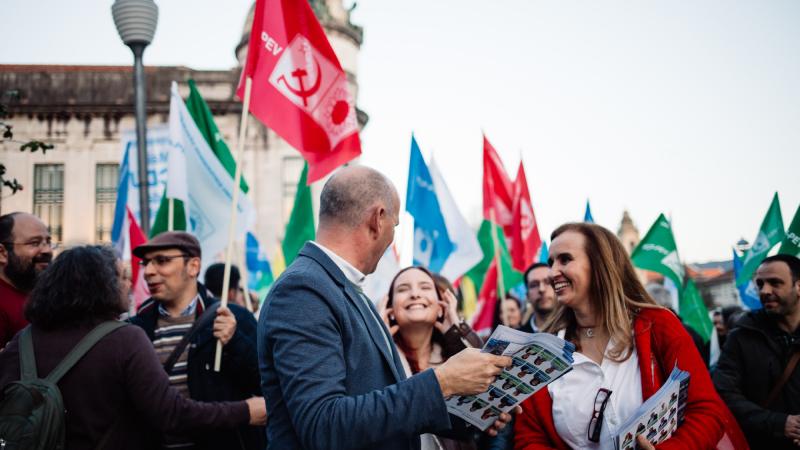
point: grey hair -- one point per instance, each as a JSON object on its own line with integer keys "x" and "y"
{"x": 349, "y": 194}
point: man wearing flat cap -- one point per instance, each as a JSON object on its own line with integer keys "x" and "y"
{"x": 184, "y": 324}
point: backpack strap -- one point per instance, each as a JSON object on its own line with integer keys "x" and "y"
{"x": 83, "y": 346}
{"x": 27, "y": 360}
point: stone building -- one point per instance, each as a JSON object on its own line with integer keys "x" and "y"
{"x": 82, "y": 110}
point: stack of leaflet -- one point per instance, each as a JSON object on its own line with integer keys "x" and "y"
{"x": 538, "y": 360}
{"x": 659, "y": 416}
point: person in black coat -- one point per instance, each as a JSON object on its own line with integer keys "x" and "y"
{"x": 171, "y": 264}
{"x": 756, "y": 355}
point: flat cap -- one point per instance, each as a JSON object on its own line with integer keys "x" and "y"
{"x": 170, "y": 239}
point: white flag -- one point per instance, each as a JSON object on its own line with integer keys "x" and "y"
{"x": 196, "y": 176}
{"x": 467, "y": 251}
{"x": 376, "y": 285}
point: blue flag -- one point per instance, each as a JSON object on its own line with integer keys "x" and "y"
{"x": 587, "y": 216}
{"x": 257, "y": 264}
{"x": 544, "y": 253}
{"x": 120, "y": 208}
{"x": 432, "y": 245}
{"x": 747, "y": 291}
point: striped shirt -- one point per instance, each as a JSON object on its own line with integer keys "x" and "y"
{"x": 168, "y": 333}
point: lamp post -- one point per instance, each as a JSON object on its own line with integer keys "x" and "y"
{"x": 136, "y": 24}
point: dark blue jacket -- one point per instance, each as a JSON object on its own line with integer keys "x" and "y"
{"x": 329, "y": 379}
{"x": 238, "y": 378}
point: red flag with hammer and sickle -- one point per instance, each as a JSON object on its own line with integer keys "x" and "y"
{"x": 525, "y": 239}
{"x": 299, "y": 89}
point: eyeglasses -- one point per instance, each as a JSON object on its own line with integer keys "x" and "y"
{"x": 160, "y": 260}
{"x": 596, "y": 423}
{"x": 35, "y": 244}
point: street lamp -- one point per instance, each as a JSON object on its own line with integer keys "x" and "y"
{"x": 136, "y": 24}
{"x": 742, "y": 246}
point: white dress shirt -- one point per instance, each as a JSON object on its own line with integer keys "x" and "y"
{"x": 573, "y": 398}
{"x": 356, "y": 277}
{"x": 350, "y": 272}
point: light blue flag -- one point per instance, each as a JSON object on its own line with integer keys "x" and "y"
{"x": 544, "y": 253}
{"x": 256, "y": 261}
{"x": 587, "y": 216}
{"x": 432, "y": 245}
{"x": 747, "y": 291}
{"x": 120, "y": 208}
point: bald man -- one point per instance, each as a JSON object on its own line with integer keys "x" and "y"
{"x": 26, "y": 250}
{"x": 329, "y": 368}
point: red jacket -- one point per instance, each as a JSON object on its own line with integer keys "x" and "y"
{"x": 661, "y": 342}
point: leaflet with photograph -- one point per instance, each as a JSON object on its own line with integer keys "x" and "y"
{"x": 538, "y": 359}
{"x": 659, "y": 416}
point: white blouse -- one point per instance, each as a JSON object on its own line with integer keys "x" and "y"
{"x": 573, "y": 398}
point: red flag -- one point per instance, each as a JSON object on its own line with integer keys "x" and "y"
{"x": 497, "y": 189}
{"x": 525, "y": 239}
{"x": 136, "y": 235}
{"x": 299, "y": 89}
{"x": 483, "y": 320}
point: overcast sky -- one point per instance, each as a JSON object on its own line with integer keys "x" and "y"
{"x": 683, "y": 107}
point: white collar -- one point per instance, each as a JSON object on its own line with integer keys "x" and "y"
{"x": 350, "y": 272}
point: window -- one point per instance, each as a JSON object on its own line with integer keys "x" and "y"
{"x": 48, "y": 197}
{"x": 290, "y": 175}
{"x": 105, "y": 196}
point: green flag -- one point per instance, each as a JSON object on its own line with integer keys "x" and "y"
{"x": 791, "y": 244}
{"x": 771, "y": 233}
{"x": 201, "y": 113}
{"x": 301, "y": 223}
{"x": 694, "y": 312}
{"x": 510, "y": 276}
{"x": 161, "y": 222}
{"x": 657, "y": 252}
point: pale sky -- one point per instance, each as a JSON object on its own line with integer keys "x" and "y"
{"x": 683, "y": 107}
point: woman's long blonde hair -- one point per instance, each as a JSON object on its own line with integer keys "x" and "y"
{"x": 615, "y": 290}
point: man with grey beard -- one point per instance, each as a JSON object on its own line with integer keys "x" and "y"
{"x": 26, "y": 249}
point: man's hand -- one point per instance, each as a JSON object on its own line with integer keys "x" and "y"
{"x": 470, "y": 372}
{"x": 501, "y": 422}
{"x": 224, "y": 325}
{"x": 258, "y": 411}
{"x": 792, "y": 428}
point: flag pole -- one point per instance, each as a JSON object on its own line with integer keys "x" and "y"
{"x": 171, "y": 214}
{"x": 226, "y": 279}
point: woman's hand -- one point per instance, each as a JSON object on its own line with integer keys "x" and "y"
{"x": 386, "y": 314}
{"x": 449, "y": 305}
{"x": 644, "y": 444}
{"x": 502, "y": 421}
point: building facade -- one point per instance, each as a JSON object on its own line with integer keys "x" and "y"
{"x": 82, "y": 110}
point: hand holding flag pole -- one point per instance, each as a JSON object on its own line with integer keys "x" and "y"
{"x": 226, "y": 278}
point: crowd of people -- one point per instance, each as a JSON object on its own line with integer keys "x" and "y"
{"x": 323, "y": 367}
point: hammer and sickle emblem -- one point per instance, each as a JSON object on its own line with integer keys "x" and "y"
{"x": 302, "y": 92}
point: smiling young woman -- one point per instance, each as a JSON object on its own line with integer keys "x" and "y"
{"x": 425, "y": 325}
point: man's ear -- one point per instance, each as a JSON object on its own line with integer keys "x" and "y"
{"x": 3, "y": 255}
{"x": 193, "y": 266}
{"x": 374, "y": 220}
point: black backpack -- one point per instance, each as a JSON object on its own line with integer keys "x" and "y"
{"x": 31, "y": 409}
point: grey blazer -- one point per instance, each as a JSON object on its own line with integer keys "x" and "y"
{"x": 328, "y": 378}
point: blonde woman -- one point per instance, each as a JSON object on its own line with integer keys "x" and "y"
{"x": 626, "y": 347}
